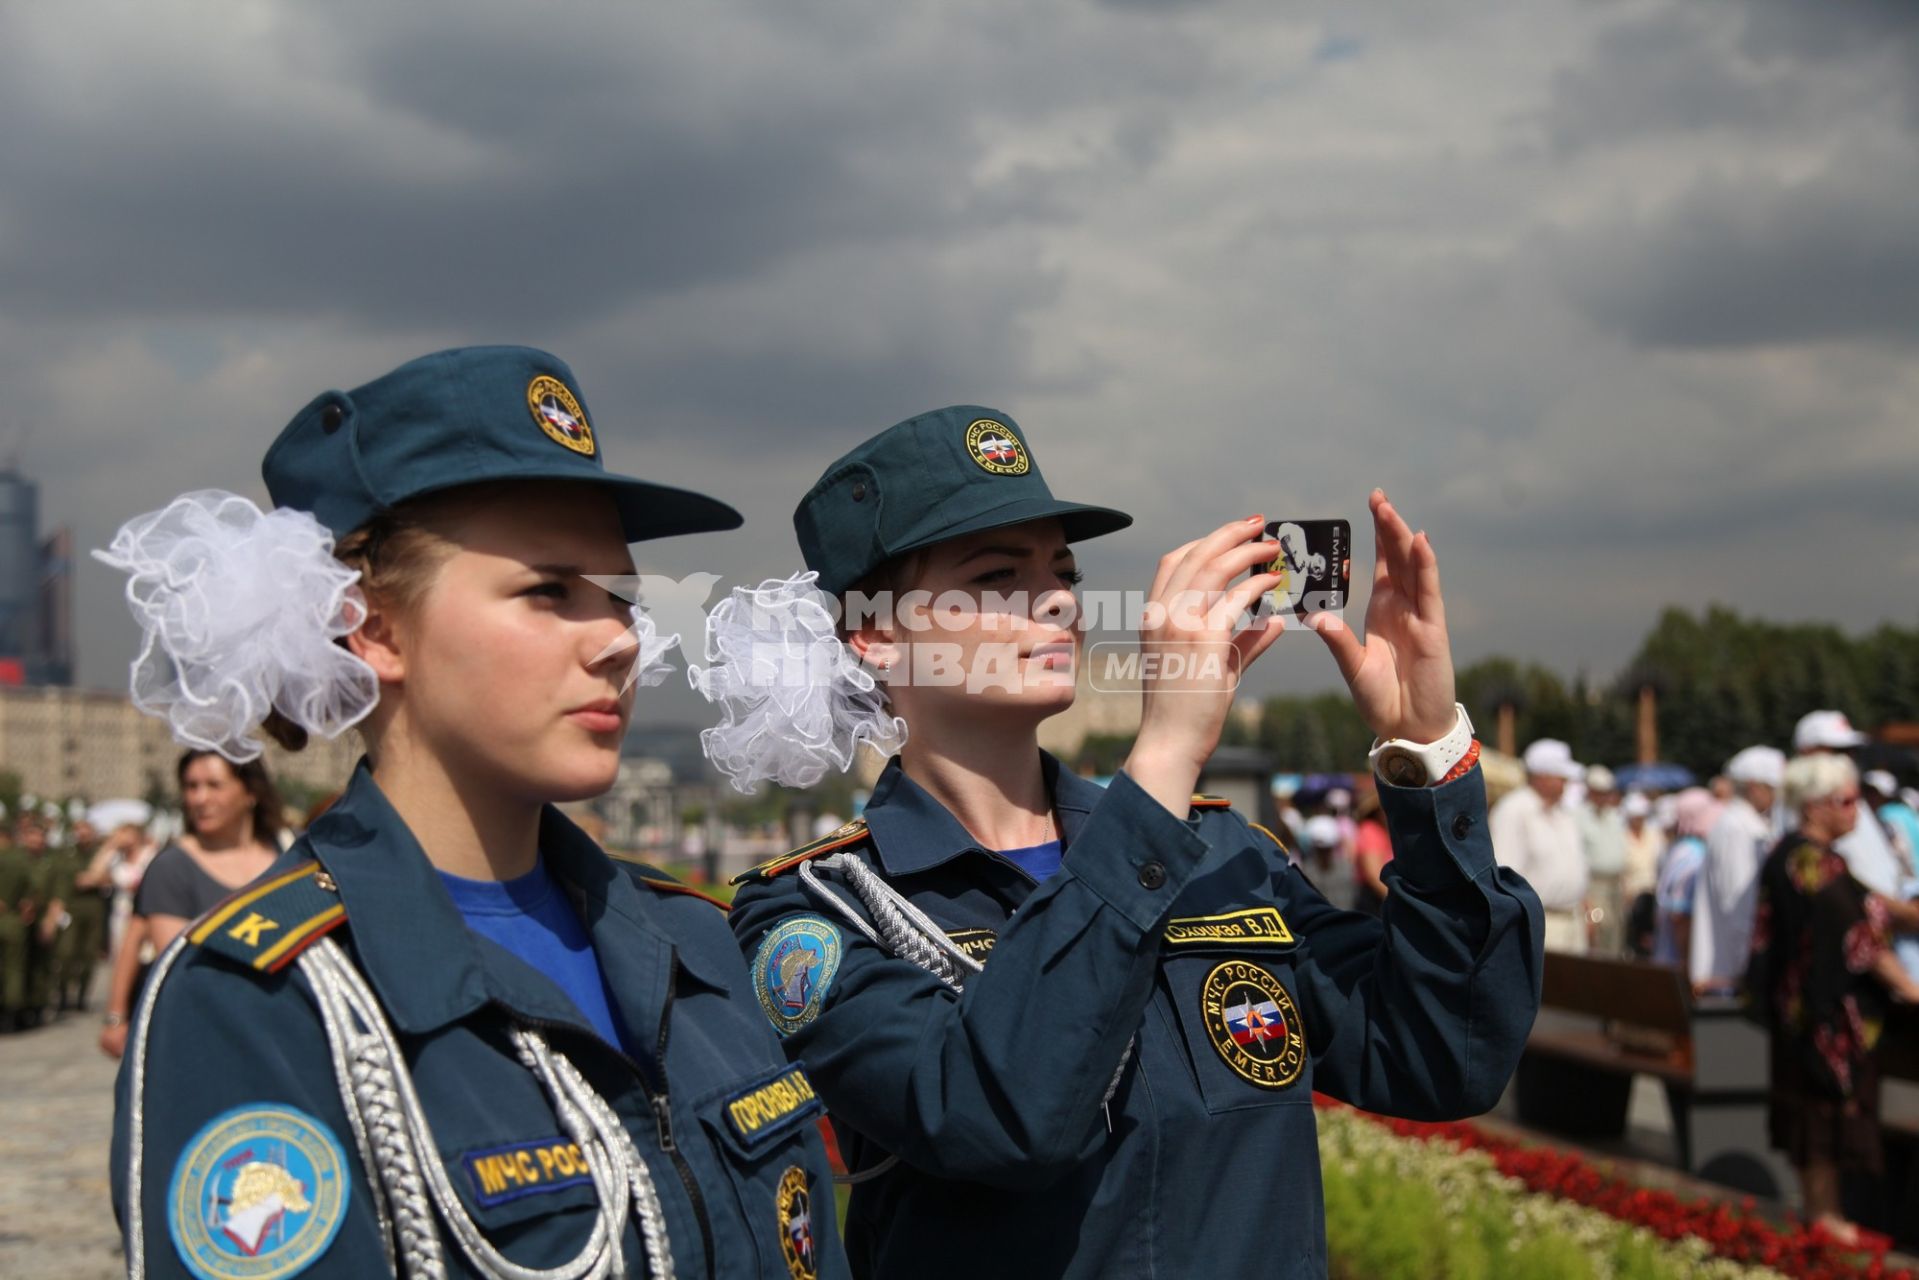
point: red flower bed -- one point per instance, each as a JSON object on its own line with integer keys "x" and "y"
{"x": 1807, "y": 1253}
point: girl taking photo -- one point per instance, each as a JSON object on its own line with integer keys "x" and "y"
{"x": 1072, "y": 1031}
{"x": 445, "y": 1034}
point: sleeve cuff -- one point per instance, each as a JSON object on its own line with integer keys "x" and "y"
{"x": 1135, "y": 855}
{"x": 1439, "y": 833}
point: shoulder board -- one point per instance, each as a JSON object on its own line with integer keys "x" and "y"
{"x": 654, "y": 878}
{"x": 1273, "y": 836}
{"x": 850, "y": 834}
{"x": 268, "y": 923}
{"x": 1211, "y": 802}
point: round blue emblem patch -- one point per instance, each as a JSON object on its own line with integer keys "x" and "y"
{"x": 792, "y": 970}
{"x": 258, "y": 1194}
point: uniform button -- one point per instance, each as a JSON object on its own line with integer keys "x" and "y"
{"x": 1152, "y": 876}
{"x": 1461, "y": 825}
{"x": 331, "y": 417}
{"x": 859, "y": 491}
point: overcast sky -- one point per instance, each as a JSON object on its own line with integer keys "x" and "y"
{"x": 1618, "y": 300}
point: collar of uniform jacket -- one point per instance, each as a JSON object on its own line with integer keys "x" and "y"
{"x": 430, "y": 969}
{"x": 913, "y": 832}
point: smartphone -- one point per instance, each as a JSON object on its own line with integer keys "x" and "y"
{"x": 1315, "y": 564}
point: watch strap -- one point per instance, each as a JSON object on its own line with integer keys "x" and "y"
{"x": 1441, "y": 757}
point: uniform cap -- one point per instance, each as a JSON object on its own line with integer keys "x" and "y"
{"x": 455, "y": 418}
{"x": 931, "y": 478}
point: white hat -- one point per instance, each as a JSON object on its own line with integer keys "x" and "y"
{"x": 1911, "y": 797}
{"x": 1553, "y": 759}
{"x": 1322, "y": 831}
{"x": 1635, "y": 805}
{"x": 1599, "y": 778}
{"x": 1882, "y": 782}
{"x": 1825, "y": 729}
{"x": 1758, "y": 764}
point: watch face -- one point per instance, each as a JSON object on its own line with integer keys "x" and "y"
{"x": 1402, "y": 769}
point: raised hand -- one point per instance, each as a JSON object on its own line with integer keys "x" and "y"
{"x": 1193, "y": 658}
{"x": 1401, "y": 675}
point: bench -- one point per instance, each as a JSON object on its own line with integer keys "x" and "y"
{"x": 1603, "y": 1021}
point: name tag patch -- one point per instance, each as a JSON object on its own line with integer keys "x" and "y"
{"x": 771, "y": 1105}
{"x": 1253, "y": 927}
{"x": 501, "y": 1174}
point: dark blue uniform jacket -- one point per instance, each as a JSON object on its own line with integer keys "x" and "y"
{"x": 232, "y": 1030}
{"x": 1244, "y": 990}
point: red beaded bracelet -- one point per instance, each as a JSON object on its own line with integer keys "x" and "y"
{"x": 1466, "y": 762}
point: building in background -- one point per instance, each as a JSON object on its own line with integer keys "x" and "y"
{"x": 36, "y": 595}
{"x": 62, "y": 742}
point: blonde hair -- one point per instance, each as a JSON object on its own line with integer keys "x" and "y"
{"x": 1815, "y": 777}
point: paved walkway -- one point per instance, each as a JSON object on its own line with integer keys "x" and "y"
{"x": 56, "y": 1097}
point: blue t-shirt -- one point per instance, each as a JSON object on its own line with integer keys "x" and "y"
{"x": 531, "y": 917}
{"x": 1040, "y": 861}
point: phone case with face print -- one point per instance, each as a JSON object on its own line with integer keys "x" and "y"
{"x": 1315, "y": 564}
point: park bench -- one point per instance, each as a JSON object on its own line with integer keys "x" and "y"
{"x": 1604, "y": 1021}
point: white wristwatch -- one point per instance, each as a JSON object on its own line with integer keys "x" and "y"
{"x": 1404, "y": 763}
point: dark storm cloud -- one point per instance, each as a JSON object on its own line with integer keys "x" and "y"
{"x": 1670, "y": 71}
{"x": 1756, "y": 260}
{"x": 1217, "y": 256}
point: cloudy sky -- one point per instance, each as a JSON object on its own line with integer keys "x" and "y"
{"x": 1618, "y": 300}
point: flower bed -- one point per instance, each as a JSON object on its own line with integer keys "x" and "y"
{"x": 1472, "y": 1195}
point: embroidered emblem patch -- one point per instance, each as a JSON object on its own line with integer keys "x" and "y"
{"x": 976, "y": 943}
{"x": 996, "y": 449}
{"x": 258, "y": 1194}
{"x": 793, "y": 969}
{"x": 1253, "y": 1023}
{"x": 796, "y": 1224}
{"x": 559, "y": 414}
{"x": 518, "y": 1169}
{"x": 1253, "y": 927}
{"x": 772, "y": 1105}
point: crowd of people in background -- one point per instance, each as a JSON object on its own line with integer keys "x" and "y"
{"x": 73, "y": 895}
{"x": 1787, "y": 883}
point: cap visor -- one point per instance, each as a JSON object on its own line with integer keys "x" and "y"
{"x": 1079, "y": 520}
{"x": 649, "y": 510}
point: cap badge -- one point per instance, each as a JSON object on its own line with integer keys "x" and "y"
{"x": 559, "y": 414}
{"x": 996, "y": 449}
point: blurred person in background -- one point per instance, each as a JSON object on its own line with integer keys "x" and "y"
{"x": 1899, "y": 819}
{"x": 1824, "y": 975}
{"x": 1866, "y": 848}
{"x": 1372, "y": 851}
{"x": 1537, "y": 836}
{"x": 233, "y": 823}
{"x": 1729, "y": 882}
{"x": 1645, "y": 842}
{"x": 1694, "y": 813}
{"x": 126, "y": 852}
{"x": 89, "y": 895}
{"x": 44, "y": 913}
{"x": 1602, "y": 838}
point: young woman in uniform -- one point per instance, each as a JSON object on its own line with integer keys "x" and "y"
{"x": 445, "y": 1034}
{"x": 1072, "y": 1031}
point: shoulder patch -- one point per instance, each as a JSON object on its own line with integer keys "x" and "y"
{"x": 266, "y": 925}
{"x": 1211, "y": 802}
{"x": 654, "y": 878}
{"x": 259, "y": 1192}
{"x": 794, "y": 968}
{"x": 850, "y": 834}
